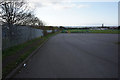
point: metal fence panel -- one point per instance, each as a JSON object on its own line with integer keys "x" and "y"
{"x": 19, "y": 34}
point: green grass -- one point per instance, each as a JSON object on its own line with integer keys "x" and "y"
{"x": 91, "y": 31}
{"x": 74, "y": 31}
{"x": 106, "y": 31}
{"x": 13, "y": 50}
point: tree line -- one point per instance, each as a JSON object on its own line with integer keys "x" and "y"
{"x": 17, "y": 12}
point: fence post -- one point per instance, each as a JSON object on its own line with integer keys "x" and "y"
{"x": 44, "y": 31}
{"x": 0, "y": 51}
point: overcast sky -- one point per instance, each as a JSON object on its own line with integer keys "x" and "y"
{"x": 76, "y": 12}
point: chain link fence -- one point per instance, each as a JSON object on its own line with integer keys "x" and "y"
{"x": 18, "y": 34}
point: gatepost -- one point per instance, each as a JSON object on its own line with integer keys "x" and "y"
{"x": 0, "y": 51}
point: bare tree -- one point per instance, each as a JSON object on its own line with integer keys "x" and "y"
{"x": 12, "y": 11}
{"x": 16, "y": 12}
{"x": 31, "y": 20}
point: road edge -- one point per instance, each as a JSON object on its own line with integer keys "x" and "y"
{"x": 11, "y": 74}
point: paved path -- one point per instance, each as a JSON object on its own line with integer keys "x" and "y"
{"x": 79, "y": 55}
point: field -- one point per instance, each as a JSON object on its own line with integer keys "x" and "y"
{"x": 90, "y": 31}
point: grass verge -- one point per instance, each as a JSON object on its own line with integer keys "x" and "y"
{"x": 91, "y": 31}
{"x": 13, "y": 50}
{"x": 106, "y": 31}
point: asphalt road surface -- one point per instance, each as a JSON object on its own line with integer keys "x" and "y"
{"x": 75, "y": 55}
